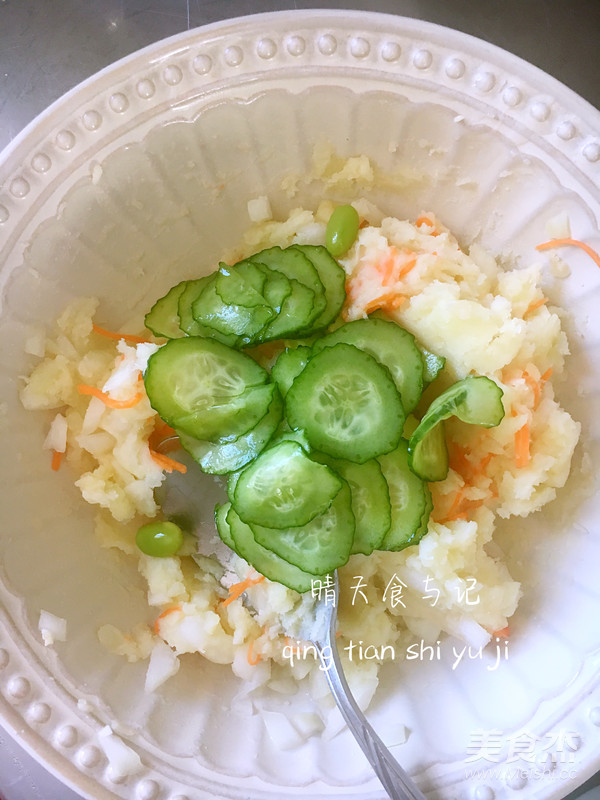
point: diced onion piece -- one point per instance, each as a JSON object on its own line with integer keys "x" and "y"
{"x": 35, "y": 344}
{"x": 52, "y": 628}
{"x": 163, "y": 664}
{"x": 57, "y": 435}
{"x": 259, "y": 209}
{"x": 122, "y": 759}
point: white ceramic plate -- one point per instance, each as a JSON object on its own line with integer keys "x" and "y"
{"x": 142, "y": 173}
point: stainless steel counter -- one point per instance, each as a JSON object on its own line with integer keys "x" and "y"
{"x": 49, "y": 46}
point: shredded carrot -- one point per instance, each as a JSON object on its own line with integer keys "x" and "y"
{"x": 83, "y": 388}
{"x": 460, "y": 463}
{"x": 534, "y": 386}
{"x": 569, "y": 242}
{"x": 164, "y": 614}
{"x": 387, "y": 266}
{"x": 389, "y": 301}
{"x": 163, "y": 437}
{"x": 426, "y": 221}
{"x": 252, "y": 659}
{"x": 56, "y": 460}
{"x": 237, "y": 589}
{"x": 407, "y": 267}
{"x": 128, "y": 337}
{"x": 547, "y": 375}
{"x": 503, "y": 633}
{"x": 168, "y": 464}
{"x": 522, "y": 453}
{"x": 535, "y": 304}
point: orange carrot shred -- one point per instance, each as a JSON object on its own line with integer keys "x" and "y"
{"x": 547, "y": 375}
{"x": 168, "y": 464}
{"x": 407, "y": 267}
{"x": 252, "y": 659}
{"x": 56, "y": 460}
{"x": 535, "y": 304}
{"x": 503, "y": 633}
{"x": 569, "y": 242}
{"x": 389, "y": 301}
{"x": 534, "y": 386}
{"x": 160, "y": 436}
{"x": 386, "y": 267}
{"x": 164, "y": 614}
{"x": 128, "y": 337}
{"x": 83, "y": 388}
{"x": 237, "y": 589}
{"x": 522, "y": 454}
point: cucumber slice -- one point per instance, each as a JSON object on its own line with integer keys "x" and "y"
{"x": 190, "y": 292}
{"x": 264, "y": 560}
{"x": 229, "y": 319}
{"x": 294, "y": 264}
{"x": 289, "y": 365}
{"x": 410, "y": 500}
{"x": 222, "y": 525}
{"x": 392, "y": 346}
{"x": 163, "y": 318}
{"x": 219, "y": 458}
{"x": 333, "y": 278}
{"x": 347, "y": 404}
{"x": 241, "y": 284}
{"x": 476, "y": 400}
{"x": 370, "y": 500}
{"x": 277, "y": 287}
{"x": 187, "y": 323}
{"x": 320, "y": 546}
{"x": 206, "y": 389}
{"x": 432, "y": 365}
{"x": 297, "y": 313}
{"x": 284, "y": 487}
{"x": 432, "y": 460}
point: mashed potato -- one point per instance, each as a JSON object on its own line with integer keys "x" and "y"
{"x": 461, "y": 305}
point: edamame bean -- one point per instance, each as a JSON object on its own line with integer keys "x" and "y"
{"x": 342, "y": 230}
{"x": 159, "y": 539}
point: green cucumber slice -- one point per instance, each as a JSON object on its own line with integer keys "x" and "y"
{"x": 264, "y": 560}
{"x": 370, "y": 500}
{"x": 222, "y": 525}
{"x": 294, "y": 264}
{"x": 297, "y": 312}
{"x": 320, "y": 546}
{"x": 277, "y": 287}
{"x": 219, "y": 458}
{"x": 289, "y": 365}
{"x": 206, "y": 389}
{"x": 347, "y": 404}
{"x": 333, "y": 278}
{"x": 284, "y": 488}
{"x": 410, "y": 500}
{"x": 432, "y": 365}
{"x": 242, "y": 284}
{"x": 229, "y": 319}
{"x": 163, "y": 318}
{"x": 187, "y": 323}
{"x": 476, "y": 400}
{"x": 392, "y": 346}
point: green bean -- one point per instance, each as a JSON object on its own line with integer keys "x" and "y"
{"x": 159, "y": 539}
{"x": 342, "y": 230}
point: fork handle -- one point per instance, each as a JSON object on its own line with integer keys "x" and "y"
{"x": 394, "y": 779}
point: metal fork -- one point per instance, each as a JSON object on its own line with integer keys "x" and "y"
{"x": 394, "y": 779}
{"x": 180, "y": 496}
